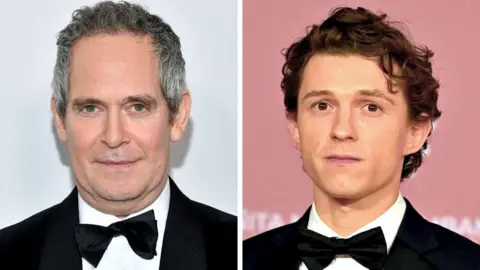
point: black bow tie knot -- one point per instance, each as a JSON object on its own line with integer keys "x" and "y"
{"x": 340, "y": 246}
{"x": 141, "y": 233}
{"x": 317, "y": 251}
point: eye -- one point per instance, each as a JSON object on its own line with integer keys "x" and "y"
{"x": 89, "y": 108}
{"x": 138, "y": 107}
{"x": 372, "y": 108}
{"x": 322, "y": 106}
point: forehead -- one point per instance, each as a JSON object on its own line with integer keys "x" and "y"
{"x": 342, "y": 74}
{"x": 103, "y": 64}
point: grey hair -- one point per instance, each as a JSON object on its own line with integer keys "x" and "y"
{"x": 113, "y": 18}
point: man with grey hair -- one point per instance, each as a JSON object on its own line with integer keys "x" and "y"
{"x": 119, "y": 99}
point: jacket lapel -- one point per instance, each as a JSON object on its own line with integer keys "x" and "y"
{"x": 59, "y": 250}
{"x": 283, "y": 253}
{"x": 414, "y": 244}
{"x": 414, "y": 240}
{"x": 183, "y": 243}
{"x": 415, "y": 231}
{"x": 402, "y": 257}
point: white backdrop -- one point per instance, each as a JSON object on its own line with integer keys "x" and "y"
{"x": 33, "y": 172}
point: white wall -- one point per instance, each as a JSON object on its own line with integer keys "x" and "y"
{"x": 32, "y": 174}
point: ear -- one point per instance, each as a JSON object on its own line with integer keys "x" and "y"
{"x": 181, "y": 118}
{"x": 293, "y": 129}
{"x": 59, "y": 121}
{"x": 416, "y": 136}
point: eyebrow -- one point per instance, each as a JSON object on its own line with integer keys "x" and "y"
{"x": 146, "y": 99}
{"x": 375, "y": 93}
{"x": 317, "y": 93}
{"x": 82, "y": 102}
{"x": 361, "y": 92}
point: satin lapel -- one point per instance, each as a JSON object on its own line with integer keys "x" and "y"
{"x": 183, "y": 243}
{"x": 418, "y": 239}
{"x": 284, "y": 253}
{"x": 415, "y": 232}
{"x": 401, "y": 257}
{"x": 59, "y": 249}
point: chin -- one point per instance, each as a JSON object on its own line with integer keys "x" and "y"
{"x": 345, "y": 194}
{"x": 120, "y": 191}
{"x": 119, "y": 195}
{"x": 342, "y": 187}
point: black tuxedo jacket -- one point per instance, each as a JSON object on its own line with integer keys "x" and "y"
{"x": 419, "y": 245}
{"x": 197, "y": 237}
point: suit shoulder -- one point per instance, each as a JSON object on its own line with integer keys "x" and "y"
{"x": 213, "y": 216}
{"x": 453, "y": 240}
{"x": 219, "y": 226}
{"x": 267, "y": 240}
{"x": 262, "y": 248}
{"x": 26, "y": 230}
{"x": 220, "y": 230}
{"x": 460, "y": 250}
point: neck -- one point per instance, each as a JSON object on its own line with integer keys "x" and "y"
{"x": 345, "y": 216}
{"x": 123, "y": 209}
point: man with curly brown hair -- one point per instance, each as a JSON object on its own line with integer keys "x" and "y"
{"x": 360, "y": 101}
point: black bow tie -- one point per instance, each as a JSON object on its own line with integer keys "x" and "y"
{"x": 317, "y": 251}
{"x": 140, "y": 231}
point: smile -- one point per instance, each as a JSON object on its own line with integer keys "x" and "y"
{"x": 117, "y": 165}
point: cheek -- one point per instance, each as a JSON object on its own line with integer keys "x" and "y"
{"x": 152, "y": 137}
{"x": 384, "y": 138}
{"x": 81, "y": 137}
{"x": 314, "y": 133}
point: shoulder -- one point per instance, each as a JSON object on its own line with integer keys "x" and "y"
{"x": 268, "y": 244}
{"x": 459, "y": 249}
{"x": 216, "y": 220}
{"x": 445, "y": 248}
{"x": 26, "y": 228}
{"x": 220, "y": 234}
{"x": 208, "y": 215}
{"x": 213, "y": 216}
{"x": 449, "y": 238}
{"x": 272, "y": 238}
{"x": 26, "y": 236}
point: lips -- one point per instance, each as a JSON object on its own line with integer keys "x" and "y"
{"x": 117, "y": 164}
{"x": 342, "y": 159}
{"x": 122, "y": 162}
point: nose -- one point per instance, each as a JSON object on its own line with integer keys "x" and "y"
{"x": 114, "y": 134}
{"x": 343, "y": 128}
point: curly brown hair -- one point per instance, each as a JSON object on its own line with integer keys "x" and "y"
{"x": 360, "y": 31}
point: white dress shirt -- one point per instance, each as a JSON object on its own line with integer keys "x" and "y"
{"x": 388, "y": 221}
{"x": 119, "y": 255}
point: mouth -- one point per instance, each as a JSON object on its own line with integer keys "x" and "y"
{"x": 117, "y": 164}
{"x": 342, "y": 160}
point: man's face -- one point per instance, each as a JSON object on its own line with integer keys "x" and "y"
{"x": 353, "y": 133}
{"x": 117, "y": 125}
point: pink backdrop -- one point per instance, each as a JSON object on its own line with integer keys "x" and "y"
{"x": 444, "y": 190}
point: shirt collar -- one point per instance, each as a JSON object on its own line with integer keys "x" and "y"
{"x": 389, "y": 221}
{"x": 90, "y": 215}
